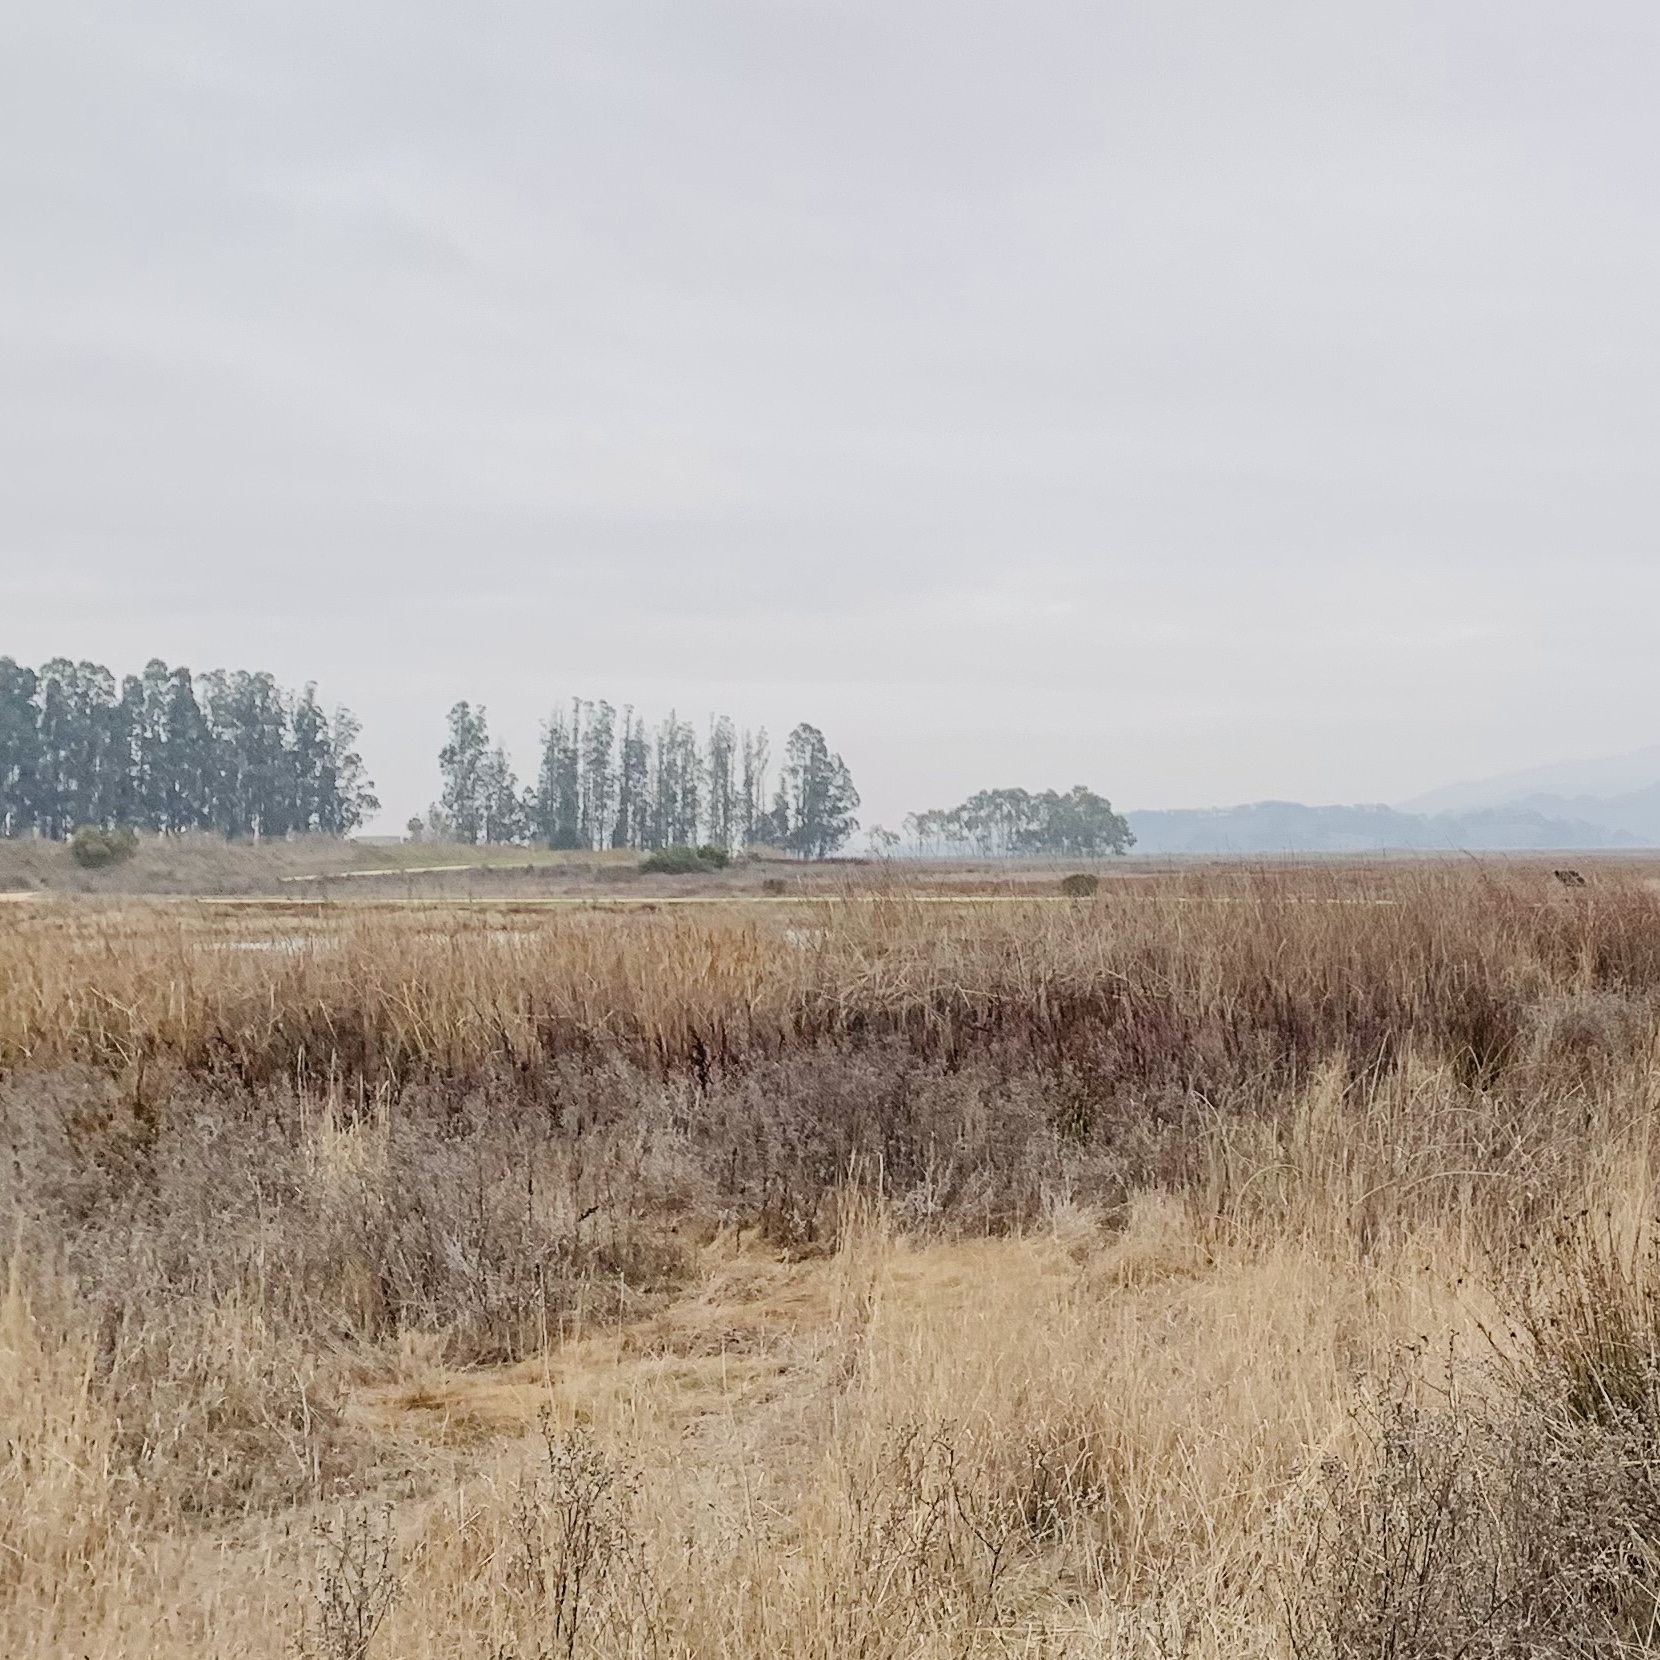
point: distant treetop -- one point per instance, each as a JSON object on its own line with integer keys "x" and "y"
{"x": 1016, "y": 823}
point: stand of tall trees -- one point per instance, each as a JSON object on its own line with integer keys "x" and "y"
{"x": 1003, "y": 824}
{"x": 606, "y": 779}
{"x": 228, "y": 751}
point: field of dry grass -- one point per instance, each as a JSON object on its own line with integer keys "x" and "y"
{"x": 1236, "y": 1263}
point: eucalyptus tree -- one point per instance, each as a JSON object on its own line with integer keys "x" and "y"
{"x": 248, "y": 760}
{"x": 1014, "y": 823}
{"x": 461, "y": 765}
{"x": 607, "y": 780}
{"x": 311, "y": 768}
{"x": 556, "y": 801}
{"x": 19, "y": 747}
{"x": 79, "y": 771}
{"x": 502, "y": 816}
{"x": 596, "y": 805}
{"x": 1083, "y": 824}
{"x": 721, "y": 825}
{"x": 813, "y": 809}
{"x": 753, "y": 788}
{"x": 346, "y": 798}
{"x": 629, "y": 828}
{"x": 676, "y": 793}
{"x": 251, "y": 765}
{"x": 181, "y": 763}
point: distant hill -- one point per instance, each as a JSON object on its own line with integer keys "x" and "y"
{"x": 1618, "y": 794}
{"x": 1608, "y": 776}
{"x": 1291, "y": 827}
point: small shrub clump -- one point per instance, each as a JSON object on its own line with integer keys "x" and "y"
{"x": 1080, "y": 885}
{"x": 685, "y": 861}
{"x": 93, "y": 848}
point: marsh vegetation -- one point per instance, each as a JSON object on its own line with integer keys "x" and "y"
{"x": 1221, "y": 1262}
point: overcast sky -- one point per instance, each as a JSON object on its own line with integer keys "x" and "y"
{"x": 1201, "y": 401}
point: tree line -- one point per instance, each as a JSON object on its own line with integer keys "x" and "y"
{"x": 606, "y": 779}
{"x": 232, "y": 751}
{"x": 229, "y": 751}
{"x": 1001, "y": 824}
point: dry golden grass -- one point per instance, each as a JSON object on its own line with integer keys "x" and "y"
{"x": 1131, "y": 1421}
{"x": 1309, "y": 1158}
{"x": 1321, "y": 957}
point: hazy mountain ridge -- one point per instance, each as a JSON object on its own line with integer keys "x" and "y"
{"x": 1602, "y": 779}
{"x": 1611, "y": 801}
{"x": 1636, "y": 813}
{"x": 1618, "y": 794}
{"x": 1290, "y": 826}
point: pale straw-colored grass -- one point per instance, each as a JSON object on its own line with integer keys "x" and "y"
{"x": 1104, "y": 1435}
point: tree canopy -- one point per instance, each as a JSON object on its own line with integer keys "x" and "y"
{"x": 162, "y": 750}
{"x": 812, "y": 814}
{"x": 607, "y": 779}
{"x": 1017, "y": 823}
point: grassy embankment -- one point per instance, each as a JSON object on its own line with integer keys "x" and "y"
{"x": 207, "y": 864}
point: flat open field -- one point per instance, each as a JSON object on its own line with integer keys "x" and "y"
{"x": 1237, "y": 1262}
{"x": 325, "y": 867}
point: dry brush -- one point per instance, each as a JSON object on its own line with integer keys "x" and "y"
{"x": 1228, "y": 1262}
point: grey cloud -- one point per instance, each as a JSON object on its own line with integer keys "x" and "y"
{"x": 1207, "y": 402}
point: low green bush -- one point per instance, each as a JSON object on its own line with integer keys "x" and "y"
{"x": 685, "y": 861}
{"x": 93, "y": 848}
